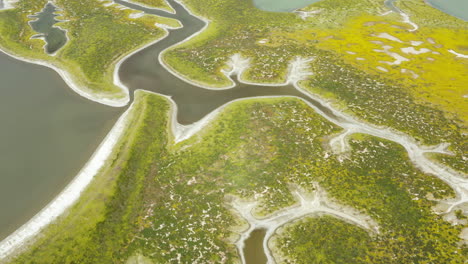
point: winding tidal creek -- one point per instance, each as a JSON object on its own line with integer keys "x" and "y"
{"x": 143, "y": 71}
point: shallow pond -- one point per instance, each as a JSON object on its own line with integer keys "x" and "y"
{"x": 43, "y": 23}
{"x": 282, "y": 5}
{"x": 47, "y": 134}
{"x": 253, "y": 250}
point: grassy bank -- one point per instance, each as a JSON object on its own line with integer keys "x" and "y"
{"x": 322, "y": 239}
{"x": 171, "y": 203}
{"x": 99, "y": 37}
{"x": 97, "y": 229}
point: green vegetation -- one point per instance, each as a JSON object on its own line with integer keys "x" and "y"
{"x": 99, "y": 37}
{"x": 414, "y": 97}
{"x": 238, "y": 27}
{"x": 322, "y": 239}
{"x": 171, "y": 203}
{"x": 98, "y": 227}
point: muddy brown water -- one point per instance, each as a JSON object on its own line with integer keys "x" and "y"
{"x": 254, "y": 252}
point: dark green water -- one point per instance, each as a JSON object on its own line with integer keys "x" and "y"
{"x": 43, "y": 23}
{"x": 47, "y": 134}
{"x": 253, "y": 249}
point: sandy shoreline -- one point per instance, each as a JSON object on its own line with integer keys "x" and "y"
{"x": 405, "y": 16}
{"x": 70, "y": 194}
{"x": 306, "y": 205}
{"x": 67, "y": 77}
{"x": 8, "y": 4}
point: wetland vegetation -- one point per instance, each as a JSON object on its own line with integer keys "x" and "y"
{"x": 99, "y": 36}
{"x": 160, "y": 199}
{"x": 409, "y": 96}
{"x": 172, "y": 202}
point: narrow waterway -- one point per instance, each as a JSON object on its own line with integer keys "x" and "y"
{"x": 143, "y": 71}
{"x": 253, "y": 250}
{"x": 47, "y": 134}
{"x": 391, "y": 5}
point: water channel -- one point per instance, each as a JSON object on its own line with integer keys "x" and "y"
{"x": 253, "y": 250}
{"x": 143, "y": 71}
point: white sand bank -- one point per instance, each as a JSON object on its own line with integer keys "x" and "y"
{"x": 69, "y": 195}
{"x": 307, "y": 204}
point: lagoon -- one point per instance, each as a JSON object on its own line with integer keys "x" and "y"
{"x": 282, "y": 5}
{"x": 47, "y": 134}
{"x": 43, "y": 23}
{"x": 457, "y": 8}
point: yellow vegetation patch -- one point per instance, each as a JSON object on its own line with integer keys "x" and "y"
{"x": 434, "y": 75}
